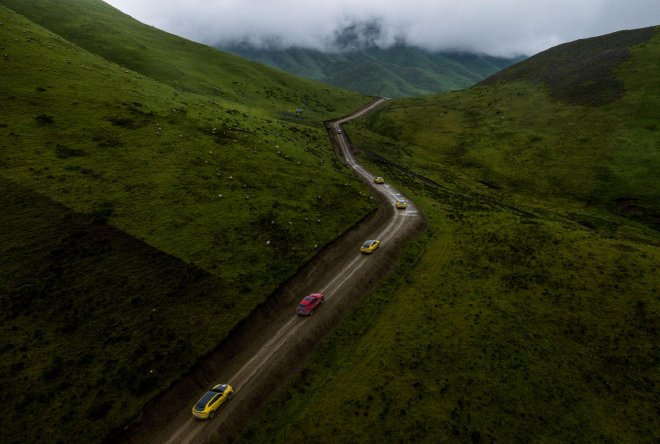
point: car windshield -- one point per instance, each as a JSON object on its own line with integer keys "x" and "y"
{"x": 367, "y": 244}
{"x": 220, "y": 389}
{"x": 201, "y": 405}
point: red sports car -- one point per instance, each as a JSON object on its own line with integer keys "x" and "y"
{"x": 309, "y": 304}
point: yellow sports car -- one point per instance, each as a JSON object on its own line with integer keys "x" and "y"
{"x": 379, "y": 180}
{"x": 401, "y": 203}
{"x": 369, "y": 246}
{"x": 211, "y": 401}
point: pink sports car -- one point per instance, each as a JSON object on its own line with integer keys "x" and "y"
{"x": 309, "y": 304}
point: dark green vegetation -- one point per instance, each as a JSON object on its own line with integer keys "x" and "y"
{"x": 530, "y": 310}
{"x": 81, "y": 306}
{"x": 580, "y": 72}
{"x": 153, "y": 193}
{"x": 398, "y": 71}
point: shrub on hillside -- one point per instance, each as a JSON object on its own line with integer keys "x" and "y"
{"x": 44, "y": 119}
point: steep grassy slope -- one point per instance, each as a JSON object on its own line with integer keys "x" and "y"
{"x": 105, "y": 31}
{"x": 122, "y": 195}
{"x": 166, "y": 165}
{"x": 580, "y": 72}
{"x": 530, "y": 310}
{"x": 541, "y": 139}
{"x": 398, "y": 71}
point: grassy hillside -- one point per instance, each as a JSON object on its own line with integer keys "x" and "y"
{"x": 142, "y": 218}
{"x": 398, "y": 71}
{"x": 539, "y": 139}
{"x": 105, "y": 31}
{"x": 530, "y": 309}
{"x": 93, "y": 321}
{"x": 580, "y": 72}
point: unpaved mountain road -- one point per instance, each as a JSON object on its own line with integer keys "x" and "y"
{"x": 260, "y": 355}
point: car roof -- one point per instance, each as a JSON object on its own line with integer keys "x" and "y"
{"x": 201, "y": 404}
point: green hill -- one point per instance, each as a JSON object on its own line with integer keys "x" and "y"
{"x": 529, "y": 312}
{"x": 580, "y": 72}
{"x": 154, "y": 192}
{"x": 398, "y": 71}
{"x": 103, "y": 30}
{"x": 547, "y": 136}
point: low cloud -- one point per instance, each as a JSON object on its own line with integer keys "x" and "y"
{"x": 502, "y": 27}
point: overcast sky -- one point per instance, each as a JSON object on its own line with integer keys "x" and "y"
{"x": 495, "y": 27}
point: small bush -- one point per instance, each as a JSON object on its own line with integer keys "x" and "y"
{"x": 123, "y": 122}
{"x": 64, "y": 152}
{"x": 44, "y": 119}
{"x": 107, "y": 140}
{"x": 100, "y": 410}
{"x": 104, "y": 211}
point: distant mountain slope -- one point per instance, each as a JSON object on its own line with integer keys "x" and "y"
{"x": 397, "y": 71}
{"x": 579, "y": 72}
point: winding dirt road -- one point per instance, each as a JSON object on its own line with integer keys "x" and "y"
{"x": 267, "y": 348}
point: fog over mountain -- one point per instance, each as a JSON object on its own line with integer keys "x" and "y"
{"x": 500, "y": 28}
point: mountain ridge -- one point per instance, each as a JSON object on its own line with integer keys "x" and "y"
{"x": 579, "y": 72}
{"x": 397, "y": 71}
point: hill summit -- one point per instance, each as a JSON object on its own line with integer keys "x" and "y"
{"x": 579, "y": 72}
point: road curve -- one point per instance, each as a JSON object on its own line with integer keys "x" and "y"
{"x": 282, "y": 346}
